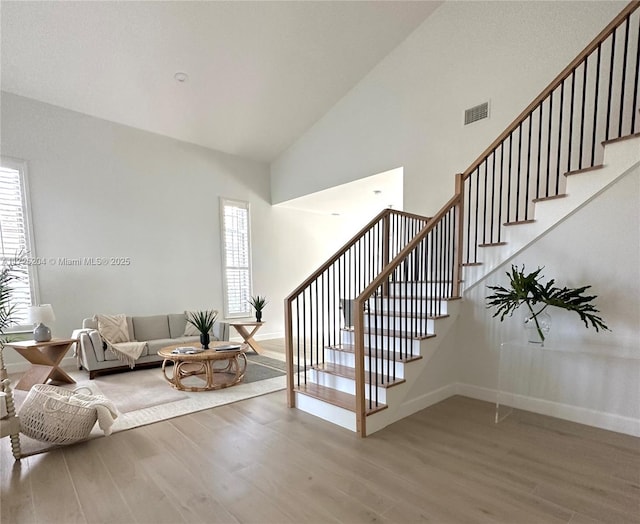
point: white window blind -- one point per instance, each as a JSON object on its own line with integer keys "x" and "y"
{"x": 236, "y": 252}
{"x": 14, "y": 236}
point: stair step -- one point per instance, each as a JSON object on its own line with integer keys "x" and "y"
{"x": 347, "y": 372}
{"x": 552, "y": 197}
{"x": 620, "y": 139}
{"x": 390, "y": 333}
{"x": 492, "y": 244}
{"x": 337, "y": 398}
{"x": 519, "y": 222}
{"x": 401, "y": 314}
{"x": 385, "y": 355}
{"x": 583, "y": 170}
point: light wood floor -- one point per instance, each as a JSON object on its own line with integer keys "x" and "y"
{"x": 258, "y": 461}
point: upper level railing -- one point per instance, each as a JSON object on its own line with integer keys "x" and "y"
{"x": 391, "y": 279}
{"x": 594, "y": 99}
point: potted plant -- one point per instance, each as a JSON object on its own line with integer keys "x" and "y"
{"x": 527, "y": 289}
{"x": 203, "y": 321}
{"x": 258, "y": 303}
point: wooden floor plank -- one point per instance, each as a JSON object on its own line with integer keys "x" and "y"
{"x": 258, "y": 461}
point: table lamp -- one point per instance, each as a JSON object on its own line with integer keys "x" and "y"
{"x": 38, "y": 315}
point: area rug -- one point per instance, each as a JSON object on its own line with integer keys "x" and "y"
{"x": 144, "y": 397}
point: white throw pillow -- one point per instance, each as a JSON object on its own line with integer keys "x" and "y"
{"x": 113, "y": 328}
{"x": 190, "y": 330}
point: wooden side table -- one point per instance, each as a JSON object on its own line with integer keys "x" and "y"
{"x": 243, "y": 329}
{"x": 45, "y": 358}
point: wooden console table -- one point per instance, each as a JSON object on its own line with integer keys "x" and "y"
{"x": 45, "y": 358}
{"x": 243, "y": 329}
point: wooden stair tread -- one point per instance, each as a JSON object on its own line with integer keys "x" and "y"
{"x": 399, "y": 333}
{"x": 492, "y": 244}
{"x": 347, "y": 372}
{"x": 337, "y": 398}
{"x": 406, "y": 314}
{"x": 519, "y": 222}
{"x": 620, "y": 139}
{"x": 387, "y": 355}
{"x": 583, "y": 170}
{"x": 551, "y": 197}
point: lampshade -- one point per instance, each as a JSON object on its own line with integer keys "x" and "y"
{"x": 42, "y": 313}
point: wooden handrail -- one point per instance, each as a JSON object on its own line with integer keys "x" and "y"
{"x": 346, "y": 247}
{"x": 603, "y": 35}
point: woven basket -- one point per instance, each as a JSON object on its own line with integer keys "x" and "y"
{"x": 47, "y": 417}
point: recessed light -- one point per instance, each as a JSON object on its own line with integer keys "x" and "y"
{"x": 377, "y": 192}
{"x": 335, "y": 214}
{"x": 181, "y": 77}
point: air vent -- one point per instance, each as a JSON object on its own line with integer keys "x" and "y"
{"x": 476, "y": 113}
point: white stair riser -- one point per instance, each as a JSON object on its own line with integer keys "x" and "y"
{"x": 399, "y": 305}
{"x": 411, "y": 346}
{"x": 346, "y": 385}
{"x": 419, "y": 289}
{"x": 344, "y": 358}
{"x": 421, "y": 326}
{"x": 329, "y": 412}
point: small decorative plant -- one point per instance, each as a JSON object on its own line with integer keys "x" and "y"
{"x": 258, "y": 303}
{"x": 203, "y": 321}
{"x": 527, "y": 289}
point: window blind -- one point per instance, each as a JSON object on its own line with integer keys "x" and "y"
{"x": 14, "y": 239}
{"x": 237, "y": 258}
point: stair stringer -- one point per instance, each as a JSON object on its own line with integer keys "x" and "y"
{"x": 620, "y": 157}
{"x": 405, "y": 401}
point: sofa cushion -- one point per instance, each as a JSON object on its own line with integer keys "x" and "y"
{"x": 153, "y": 346}
{"x": 151, "y": 328}
{"x": 177, "y": 324}
{"x": 113, "y": 328}
{"x": 92, "y": 323}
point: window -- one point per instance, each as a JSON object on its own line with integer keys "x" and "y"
{"x": 14, "y": 233}
{"x": 236, "y": 257}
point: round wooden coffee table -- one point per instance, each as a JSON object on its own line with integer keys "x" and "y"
{"x": 218, "y": 368}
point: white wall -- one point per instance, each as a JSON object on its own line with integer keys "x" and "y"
{"x": 408, "y": 111}
{"x": 100, "y": 189}
{"x": 599, "y": 245}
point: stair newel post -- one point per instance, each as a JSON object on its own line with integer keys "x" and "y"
{"x": 361, "y": 421}
{"x": 288, "y": 334}
{"x": 459, "y": 190}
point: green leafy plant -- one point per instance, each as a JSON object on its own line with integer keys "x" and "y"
{"x": 258, "y": 303}
{"x": 203, "y": 321}
{"x": 527, "y": 289}
{"x": 12, "y": 270}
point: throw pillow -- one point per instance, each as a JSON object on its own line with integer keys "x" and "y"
{"x": 190, "y": 330}
{"x": 113, "y": 328}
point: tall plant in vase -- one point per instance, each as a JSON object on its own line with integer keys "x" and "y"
{"x": 528, "y": 290}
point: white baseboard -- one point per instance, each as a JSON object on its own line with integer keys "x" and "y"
{"x": 260, "y": 336}
{"x": 590, "y": 417}
{"x": 21, "y": 367}
{"x": 424, "y": 401}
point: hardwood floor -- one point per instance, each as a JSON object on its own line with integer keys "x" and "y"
{"x": 258, "y": 461}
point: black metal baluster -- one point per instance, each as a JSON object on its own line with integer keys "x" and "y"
{"x": 484, "y": 204}
{"x": 582, "y": 117}
{"x": 634, "y": 107}
{"x": 501, "y": 193}
{"x": 609, "y": 95}
{"x": 518, "y": 175}
{"x": 546, "y": 190}
{"x": 595, "y": 105}
{"x": 526, "y": 194}
{"x": 573, "y": 90}
{"x": 624, "y": 74}
{"x": 538, "y": 178}
{"x": 560, "y": 109}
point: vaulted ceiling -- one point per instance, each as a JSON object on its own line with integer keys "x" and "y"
{"x": 259, "y": 73}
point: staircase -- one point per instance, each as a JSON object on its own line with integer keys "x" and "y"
{"x": 364, "y": 331}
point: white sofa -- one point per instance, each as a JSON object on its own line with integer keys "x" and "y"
{"x": 157, "y": 331}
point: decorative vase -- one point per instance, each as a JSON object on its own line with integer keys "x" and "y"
{"x": 258, "y": 316}
{"x": 537, "y": 327}
{"x": 204, "y": 340}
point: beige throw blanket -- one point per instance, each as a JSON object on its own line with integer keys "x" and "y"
{"x": 114, "y": 331}
{"x": 128, "y": 352}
